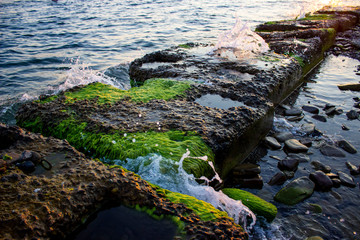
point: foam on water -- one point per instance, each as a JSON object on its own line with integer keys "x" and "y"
{"x": 172, "y": 176}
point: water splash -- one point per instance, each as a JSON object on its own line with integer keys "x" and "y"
{"x": 241, "y": 41}
{"x": 172, "y": 176}
{"x": 82, "y": 74}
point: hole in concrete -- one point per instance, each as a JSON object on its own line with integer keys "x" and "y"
{"x": 125, "y": 223}
{"x": 217, "y": 101}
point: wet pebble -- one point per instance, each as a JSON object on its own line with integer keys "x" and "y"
{"x": 283, "y": 136}
{"x": 320, "y": 118}
{"x": 352, "y": 114}
{"x": 353, "y": 169}
{"x": 293, "y": 112}
{"x": 322, "y": 182}
{"x": 272, "y": 143}
{"x": 347, "y": 146}
{"x": 336, "y": 182}
{"x": 298, "y": 156}
{"x": 308, "y": 128}
{"x": 290, "y": 164}
{"x": 293, "y": 145}
{"x": 346, "y": 180}
{"x": 344, "y": 127}
{"x": 306, "y": 141}
{"x": 331, "y": 151}
{"x": 321, "y": 167}
{"x": 310, "y": 109}
{"x": 278, "y": 179}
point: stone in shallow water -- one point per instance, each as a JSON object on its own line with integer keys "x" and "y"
{"x": 289, "y": 164}
{"x": 310, "y": 109}
{"x": 293, "y": 112}
{"x": 346, "y": 180}
{"x": 353, "y": 169}
{"x": 322, "y": 182}
{"x": 246, "y": 170}
{"x": 320, "y": 118}
{"x": 308, "y": 128}
{"x": 306, "y": 141}
{"x": 272, "y": 143}
{"x": 298, "y": 156}
{"x": 296, "y": 191}
{"x": 331, "y": 151}
{"x": 255, "y": 182}
{"x": 278, "y": 179}
{"x": 293, "y": 145}
{"x": 350, "y": 86}
{"x": 347, "y": 146}
{"x": 320, "y": 166}
{"x": 352, "y": 114}
{"x": 283, "y": 136}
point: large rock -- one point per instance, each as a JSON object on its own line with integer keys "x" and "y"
{"x": 259, "y": 206}
{"x": 331, "y": 151}
{"x": 322, "y": 181}
{"x": 296, "y": 191}
{"x": 293, "y": 145}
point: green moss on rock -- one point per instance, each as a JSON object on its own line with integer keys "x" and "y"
{"x": 314, "y": 17}
{"x": 165, "y": 89}
{"x": 259, "y": 206}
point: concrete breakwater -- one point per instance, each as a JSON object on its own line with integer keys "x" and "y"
{"x": 173, "y": 107}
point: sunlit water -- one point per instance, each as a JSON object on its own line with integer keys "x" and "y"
{"x": 48, "y": 46}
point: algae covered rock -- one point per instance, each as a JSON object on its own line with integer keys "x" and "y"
{"x": 259, "y": 206}
{"x": 296, "y": 191}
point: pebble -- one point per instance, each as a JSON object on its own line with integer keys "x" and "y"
{"x": 322, "y": 182}
{"x": 350, "y": 86}
{"x": 330, "y": 111}
{"x": 308, "y": 128}
{"x": 310, "y": 109}
{"x": 283, "y": 136}
{"x": 347, "y": 146}
{"x": 352, "y": 114}
{"x": 336, "y": 182}
{"x": 320, "y": 118}
{"x": 278, "y": 179}
{"x": 275, "y": 157}
{"x": 272, "y": 143}
{"x": 293, "y": 145}
{"x": 328, "y": 105}
{"x": 346, "y": 180}
{"x": 306, "y": 141}
{"x": 345, "y": 128}
{"x": 331, "y": 151}
{"x": 353, "y": 169}
{"x": 298, "y": 156}
{"x": 320, "y": 166}
{"x": 293, "y": 112}
{"x": 290, "y": 164}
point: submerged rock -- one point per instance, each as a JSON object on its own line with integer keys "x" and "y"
{"x": 259, "y": 206}
{"x": 322, "y": 181}
{"x": 293, "y": 145}
{"x": 331, "y": 151}
{"x": 352, "y": 115}
{"x": 295, "y": 191}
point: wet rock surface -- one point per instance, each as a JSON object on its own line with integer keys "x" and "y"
{"x": 52, "y": 204}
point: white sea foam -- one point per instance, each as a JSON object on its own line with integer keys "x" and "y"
{"x": 172, "y": 176}
{"x": 241, "y": 41}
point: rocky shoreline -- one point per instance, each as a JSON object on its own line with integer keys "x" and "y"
{"x": 169, "y": 116}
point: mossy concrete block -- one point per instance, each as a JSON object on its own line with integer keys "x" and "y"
{"x": 296, "y": 191}
{"x": 259, "y": 206}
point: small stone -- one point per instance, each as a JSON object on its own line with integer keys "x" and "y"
{"x": 298, "y": 156}
{"x": 336, "y": 182}
{"x": 339, "y": 111}
{"x": 293, "y": 112}
{"x": 272, "y": 143}
{"x": 347, "y": 146}
{"x": 353, "y": 169}
{"x": 254, "y": 182}
{"x": 315, "y": 208}
{"x": 290, "y": 165}
{"x": 246, "y": 170}
{"x": 296, "y": 191}
{"x": 322, "y": 182}
{"x": 331, "y": 151}
{"x": 346, "y": 180}
{"x": 278, "y": 179}
{"x": 328, "y": 105}
{"x": 320, "y": 166}
{"x": 308, "y": 128}
{"x": 350, "y": 86}
{"x": 345, "y": 128}
{"x": 293, "y": 145}
{"x": 295, "y": 118}
{"x": 320, "y": 118}
{"x": 332, "y": 175}
{"x": 289, "y": 174}
{"x": 283, "y": 136}
{"x": 357, "y": 105}
{"x": 306, "y": 141}
{"x": 310, "y": 109}
{"x": 352, "y": 114}
{"x": 330, "y": 111}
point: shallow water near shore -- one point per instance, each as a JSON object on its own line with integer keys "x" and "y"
{"x": 340, "y": 207}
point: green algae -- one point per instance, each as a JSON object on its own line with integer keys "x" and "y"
{"x": 316, "y": 17}
{"x": 165, "y": 89}
{"x": 47, "y": 99}
{"x": 186, "y": 46}
{"x": 254, "y": 203}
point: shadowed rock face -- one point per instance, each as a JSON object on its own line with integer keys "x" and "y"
{"x": 51, "y": 204}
